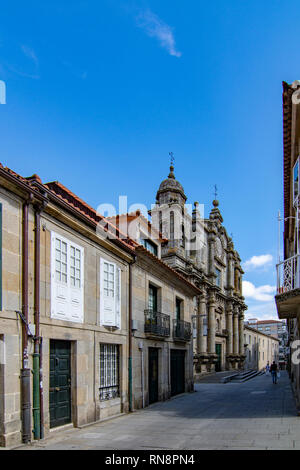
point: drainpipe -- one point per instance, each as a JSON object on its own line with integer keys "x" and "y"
{"x": 36, "y": 354}
{"x": 143, "y": 378}
{"x": 25, "y": 371}
{"x": 130, "y": 338}
{"x": 41, "y": 391}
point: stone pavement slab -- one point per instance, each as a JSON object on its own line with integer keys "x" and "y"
{"x": 252, "y": 415}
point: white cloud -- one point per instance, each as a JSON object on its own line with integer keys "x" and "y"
{"x": 258, "y": 262}
{"x": 262, "y": 293}
{"x": 156, "y": 28}
{"x": 265, "y": 311}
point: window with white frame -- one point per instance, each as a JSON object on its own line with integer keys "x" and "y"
{"x": 110, "y": 294}
{"x": 61, "y": 262}
{"x": 75, "y": 267}
{"x": 66, "y": 279}
{"x": 109, "y": 372}
{"x": 109, "y": 279}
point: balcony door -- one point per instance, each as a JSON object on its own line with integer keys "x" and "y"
{"x": 152, "y": 303}
{"x": 178, "y": 309}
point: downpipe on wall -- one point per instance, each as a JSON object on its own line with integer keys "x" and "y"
{"x": 25, "y": 370}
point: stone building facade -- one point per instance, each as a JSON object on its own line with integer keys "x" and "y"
{"x": 64, "y": 312}
{"x": 260, "y": 349}
{"x": 277, "y": 329}
{"x": 201, "y": 250}
{"x": 163, "y": 304}
{"x": 287, "y": 297}
{"x": 92, "y": 323}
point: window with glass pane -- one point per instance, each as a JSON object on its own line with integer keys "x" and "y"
{"x": 109, "y": 280}
{"x": 149, "y": 245}
{"x": 109, "y": 371}
{"x": 178, "y": 309}
{"x": 75, "y": 267}
{"x": 152, "y": 298}
{"x": 61, "y": 264}
{"x": 296, "y": 180}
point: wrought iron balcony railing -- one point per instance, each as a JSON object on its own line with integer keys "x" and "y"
{"x": 182, "y": 330}
{"x": 288, "y": 274}
{"x": 157, "y": 323}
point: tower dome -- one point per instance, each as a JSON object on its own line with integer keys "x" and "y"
{"x": 170, "y": 190}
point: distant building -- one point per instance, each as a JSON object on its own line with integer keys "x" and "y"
{"x": 260, "y": 348}
{"x": 277, "y": 329}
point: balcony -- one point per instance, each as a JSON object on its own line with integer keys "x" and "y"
{"x": 157, "y": 324}
{"x": 182, "y": 330}
{"x": 288, "y": 287}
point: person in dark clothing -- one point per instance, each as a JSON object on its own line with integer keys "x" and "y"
{"x": 273, "y": 370}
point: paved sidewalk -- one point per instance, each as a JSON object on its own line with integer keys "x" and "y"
{"x": 250, "y": 415}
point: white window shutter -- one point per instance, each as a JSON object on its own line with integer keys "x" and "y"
{"x": 67, "y": 301}
{"x": 59, "y": 290}
{"x": 118, "y": 297}
{"x": 107, "y": 302}
{"x": 77, "y": 294}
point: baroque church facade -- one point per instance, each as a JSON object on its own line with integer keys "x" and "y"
{"x": 201, "y": 250}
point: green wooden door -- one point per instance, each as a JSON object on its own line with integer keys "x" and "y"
{"x": 153, "y": 375}
{"x": 60, "y": 383}
{"x": 219, "y": 354}
{"x": 177, "y": 371}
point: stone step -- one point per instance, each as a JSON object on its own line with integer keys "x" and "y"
{"x": 247, "y": 375}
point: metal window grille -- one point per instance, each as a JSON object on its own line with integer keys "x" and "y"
{"x": 109, "y": 371}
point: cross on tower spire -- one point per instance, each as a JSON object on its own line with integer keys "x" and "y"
{"x": 216, "y": 191}
{"x": 172, "y": 158}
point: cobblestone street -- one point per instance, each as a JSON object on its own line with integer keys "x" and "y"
{"x": 252, "y": 415}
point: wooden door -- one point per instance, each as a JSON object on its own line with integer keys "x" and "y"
{"x": 177, "y": 372}
{"x": 153, "y": 375}
{"x": 219, "y": 354}
{"x": 60, "y": 383}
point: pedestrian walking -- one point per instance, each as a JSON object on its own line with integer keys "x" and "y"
{"x": 273, "y": 370}
{"x": 268, "y": 368}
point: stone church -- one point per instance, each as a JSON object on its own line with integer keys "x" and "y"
{"x": 201, "y": 250}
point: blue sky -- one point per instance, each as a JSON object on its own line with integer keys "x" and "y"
{"x": 99, "y": 92}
